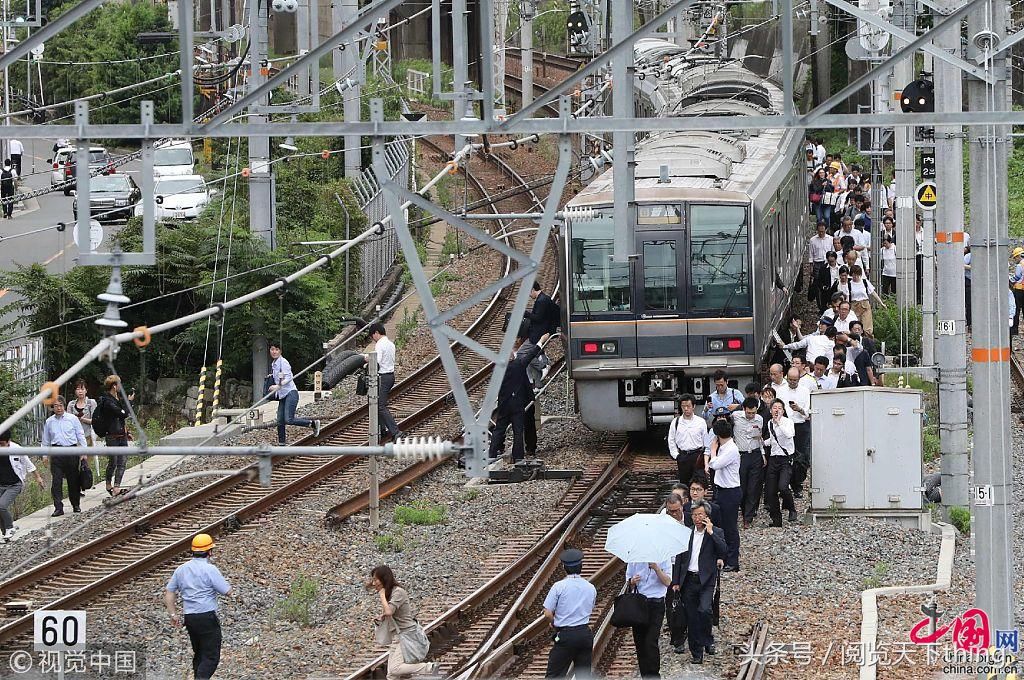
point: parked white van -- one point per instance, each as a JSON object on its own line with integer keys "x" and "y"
{"x": 173, "y": 157}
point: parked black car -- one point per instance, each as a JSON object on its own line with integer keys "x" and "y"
{"x": 111, "y": 197}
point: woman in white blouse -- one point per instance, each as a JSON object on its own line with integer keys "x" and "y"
{"x": 888, "y": 267}
{"x": 860, "y": 292}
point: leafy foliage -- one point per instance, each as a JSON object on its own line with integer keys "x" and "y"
{"x": 109, "y": 33}
{"x": 298, "y": 606}
{"x": 960, "y": 517}
{"x": 899, "y": 329}
{"x": 420, "y": 512}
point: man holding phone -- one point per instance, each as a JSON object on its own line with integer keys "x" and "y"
{"x": 797, "y": 398}
{"x": 696, "y": 575}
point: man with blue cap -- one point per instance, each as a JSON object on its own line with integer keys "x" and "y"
{"x": 567, "y": 608}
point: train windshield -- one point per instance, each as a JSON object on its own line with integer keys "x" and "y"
{"x": 598, "y": 283}
{"x": 719, "y": 260}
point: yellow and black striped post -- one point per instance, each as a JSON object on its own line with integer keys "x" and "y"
{"x": 216, "y": 388}
{"x": 199, "y": 397}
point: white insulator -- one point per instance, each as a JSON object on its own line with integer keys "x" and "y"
{"x": 421, "y": 448}
{"x": 578, "y": 214}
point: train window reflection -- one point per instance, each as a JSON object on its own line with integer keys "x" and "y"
{"x": 660, "y": 290}
{"x": 598, "y": 283}
{"x": 719, "y": 263}
{"x": 658, "y": 214}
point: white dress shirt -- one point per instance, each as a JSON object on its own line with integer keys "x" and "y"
{"x": 817, "y": 346}
{"x": 17, "y": 148}
{"x": 780, "y": 437}
{"x": 63, "y": 431}
{"x": 818, "y": 247}
{"x": 650, "y": 585}
{"x": 801, "y": 395}
{"x": 282, "y": 373}
{"x": 698, "y": 540}
{"x": 385, "y": 355}
{"x": 686, "y": 434}
{"x": 843, "y": 325}
{"x": 746, "y": 432}
{"x": 726, "y": 465}
{"x": 827, "y": 381}
{"x": 808, "y": 381}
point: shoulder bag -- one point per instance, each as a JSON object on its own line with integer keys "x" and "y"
{"x": 630, "y": 609}
{"x": 85, "y": 478}
{"x": 268, "y": 382}
{"x": 414, "y": 642}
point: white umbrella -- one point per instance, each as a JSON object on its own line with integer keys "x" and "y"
{"x": 647, "y": 538}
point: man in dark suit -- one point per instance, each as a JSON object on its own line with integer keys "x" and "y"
{"x": 698, "y": 492}
{"x": 513, "y": 396}
{"x": 542, "y": 320}
{"x": 696, "y": 574}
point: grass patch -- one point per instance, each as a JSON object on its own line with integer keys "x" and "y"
{"x": 891, "y": 320}
{"x": 389, "y": 543}
{"x": 449, "y": 247}
{"x": 406, "y": 328}
{"x": 877, "y": 577}
{"x": 960, "y": 517}
{"x": 931, "y": 449}
{"x": 441, "y": 281}
{"x": 298, "y": 606}
{"x": 469, "y": 495}
{"x": 420, "y": 513}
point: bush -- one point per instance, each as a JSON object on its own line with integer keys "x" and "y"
{"x": 420, "y": 512}
{"x": 960, "y": 517}
{"x": 899, "y": 329}
{"x": 389, "y": 542}
{"x": 298, "y": 606}
{"x": 932, "y": 448}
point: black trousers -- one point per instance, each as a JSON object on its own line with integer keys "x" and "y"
{"x": 16, "y": 162}
{"x": 530, "y": 430}
{"x": 686, "y": 464}
{"x": 646, "y": 637}
{"x": 515, "y": 418}
{"x": 776, "y": 483}
{"x": 967, "y": 300}
{"x": 116, "y": 464}
{"x": 802, "y": 442}
{"x": 675, "y": 618}
{"x": 1018, "y": 298}
{"x": 573, "y": 646}
{"x": 384, "y": 418}
{"x": 698, "y": 599}
{"x": 729, "y": 501}
{"x": 61, "y": 468}
{"x": 8, "y": 202}
{"x": 751, "y": 482}
{"x": 204, "y": 632}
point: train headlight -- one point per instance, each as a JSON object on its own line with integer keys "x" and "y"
{"x": 609, "y": 347}
{"x": 606, "y": 347}
{"x": 716, "y": 345}
{"x": 725, "y": 344}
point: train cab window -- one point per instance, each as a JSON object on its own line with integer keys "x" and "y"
{"x": 660, "y": 281}
{"x": 719, "y": 260}
{"x": 658, "y": 214}
{"x": 598, "y": 283}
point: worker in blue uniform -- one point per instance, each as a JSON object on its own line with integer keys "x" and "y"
{"x": 199, "y": 584}
{"x": 567, "y": 608}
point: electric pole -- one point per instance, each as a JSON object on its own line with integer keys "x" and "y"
{"x": 622, "y": 142}
{"x": 526, "y": 13}
{"x": 950, "y": 324}
{"x": 348, "y": 64}
{"x": 261, "y": 185}
{"x": 990, "y": 349}
{"x": 903, "y": 137}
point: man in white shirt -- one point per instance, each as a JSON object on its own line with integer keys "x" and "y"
{"x": 17, "y": 151}
{"x": 821, "y": 375}
{"x": 797, "y": 399}
{"x": 800, "y": 364}
{"x": 287, "y": 395}
{"x": 819, "y": 153}
{"x": 64, "y": 430}
{"x": 725, "y": 461}
{"x": 686, "y": 438}
{"x": 652, "y": 580}
{"x": 747, "y": 427}
{"x": 385, "y": 377}
{"x": 844, "y": 317}
{"x": 817, "y": 248}
{"x": 817, "y": 344}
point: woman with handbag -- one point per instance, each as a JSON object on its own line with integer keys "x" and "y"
{"x": 398, "y": 628}
{"x": 820, "y": 186}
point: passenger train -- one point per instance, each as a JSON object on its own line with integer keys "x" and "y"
{"x": 717, "y": 234}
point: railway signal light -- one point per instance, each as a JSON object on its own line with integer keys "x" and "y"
{"x": 578, "y": 28}
{"x": 918, "y": 97}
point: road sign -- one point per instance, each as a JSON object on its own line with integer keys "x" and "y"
{"x": 927, "y": 165}
{"x": 56, "y": 630}
{"x": 926, "y": 196}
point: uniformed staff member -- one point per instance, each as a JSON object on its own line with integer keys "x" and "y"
{"x": 199, "y": 583}
{"x": 567, "y": 608}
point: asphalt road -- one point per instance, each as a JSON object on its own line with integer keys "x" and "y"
{"x": 54, "y": 249}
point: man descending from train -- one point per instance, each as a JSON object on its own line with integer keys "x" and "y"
{"x": 817, "y": 343}
{"x": 686, "y": 439}
{"x": 515, "y": 393}
{"x": 747, "y": 425}
{"x": 568, "y": 607}
{"x": 797, "y": 398}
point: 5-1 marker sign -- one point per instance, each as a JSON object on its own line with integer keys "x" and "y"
{"x": 58, "y": 630}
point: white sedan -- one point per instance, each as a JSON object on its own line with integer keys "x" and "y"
{"x": 179, "y": 197}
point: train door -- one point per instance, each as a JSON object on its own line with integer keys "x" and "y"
{"x": 659, "y": 282}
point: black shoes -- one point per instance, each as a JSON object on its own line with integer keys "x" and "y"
{"x": 679, "y": 649}
{"x": 792, "y": 516}
{"x": 316, "y": 428}
{"x": 698, "y": 659}
{"x": 58, "y": 513}
{"x": 75, "y": 508}
{"x": 710, "y": 650}
{"x": 730, "y": 568}
{"x": 798, "y": 494}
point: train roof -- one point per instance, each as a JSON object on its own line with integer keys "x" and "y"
{"x": 723, "y": 164}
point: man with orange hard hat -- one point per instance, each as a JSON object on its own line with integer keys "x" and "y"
{"x": 199, "y": 584}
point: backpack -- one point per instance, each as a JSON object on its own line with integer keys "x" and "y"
{"x": 7, "y": 180}
{"x": 101, "y": 417}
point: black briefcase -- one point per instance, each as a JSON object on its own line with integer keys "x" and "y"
{"x": 85, "y": 479}
{"x": 630, "y": 609}
{"x": 362, "y": 385}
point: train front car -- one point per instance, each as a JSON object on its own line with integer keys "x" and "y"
{"x": 719, "y": 222}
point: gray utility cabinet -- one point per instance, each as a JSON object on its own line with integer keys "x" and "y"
{"x": 866, "y": 444}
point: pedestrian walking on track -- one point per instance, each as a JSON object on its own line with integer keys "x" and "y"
{"x": 385, "y": 378}
{"x": 13, "y": 471}
{"x": 651, "y": 580}
{"x": 287, "y": 395}
{"x": 109, "y": 422}
{"x": 696, "y": 576}
{"x": 64, "y": 430}
{"x": 568, "y": 607}
{"x": 199, "y": 583}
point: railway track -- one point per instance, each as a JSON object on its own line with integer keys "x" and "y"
{"x": 553, "y": 67}
{"x": 1017, "y": 370}
{"x": 90, "y": 570}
